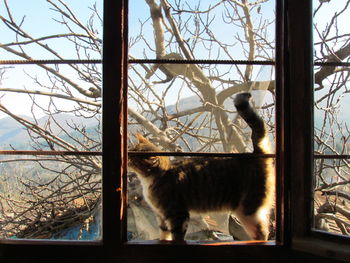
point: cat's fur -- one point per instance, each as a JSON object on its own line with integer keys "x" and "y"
{"x": 243, "y": 186}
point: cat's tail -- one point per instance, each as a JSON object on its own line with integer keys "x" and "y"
{"x": 260, "y": 138}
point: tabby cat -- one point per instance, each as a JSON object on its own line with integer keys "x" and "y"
{"x": 243, "y": 186}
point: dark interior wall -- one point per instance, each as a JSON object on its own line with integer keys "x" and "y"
{"x": 159, "y": 254}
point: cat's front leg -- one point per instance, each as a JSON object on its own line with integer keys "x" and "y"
{"x": 178, "y": 224}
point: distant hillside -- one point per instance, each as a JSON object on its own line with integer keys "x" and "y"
{"x": 193, "y": 102}
{"x": 12, "y": 133}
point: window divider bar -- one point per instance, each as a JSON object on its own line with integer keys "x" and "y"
{"x": 50, "y": 61}
{"x": 201, "y": 61}
{"x": 80, "y": 153}
{"x": 202, "y": 154}
{"x": 332, "y": 64}
{"x": 330, "y": 156}
{"x": 154, "y": 61}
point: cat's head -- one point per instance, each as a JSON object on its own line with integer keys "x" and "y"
{"x": 146, "y": 165}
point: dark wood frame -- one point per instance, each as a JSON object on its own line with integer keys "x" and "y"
{"x": 294, "y": 80}
{"x": 299, "y": 101}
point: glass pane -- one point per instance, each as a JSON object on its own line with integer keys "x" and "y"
{"x": 185, "y": 110}
{"x": 51, "y": 107}
{"x": 51, "y": 30}
{"x": 209, "y": 29}
{"x": 50, "y": 197}
{"x": 331, "y": 118}
{"x": 189, "y": 107}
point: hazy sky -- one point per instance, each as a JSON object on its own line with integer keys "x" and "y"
{"x": 39, "y": 21}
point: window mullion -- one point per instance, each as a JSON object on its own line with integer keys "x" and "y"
{"x": 300, "y": 102}
{"x": 114, "y": 45}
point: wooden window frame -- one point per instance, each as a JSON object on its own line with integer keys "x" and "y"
{"x": 300, "y": 134}
{"x": 278, "y": 128}
{"x": 294, "y": 81}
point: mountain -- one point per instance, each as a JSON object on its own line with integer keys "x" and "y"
{"x": 185, "y": 104}
{"x": 12, "y": 133}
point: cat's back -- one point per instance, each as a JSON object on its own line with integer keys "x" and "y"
{"x": 209, "y": 184}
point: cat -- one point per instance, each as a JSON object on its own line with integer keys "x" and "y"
{"x": 243, "y": 186}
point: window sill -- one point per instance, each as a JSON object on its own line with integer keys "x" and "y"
{"x": 202, "y": 243}
{"x": 50, "y": 242}
{"x": 328, "y": 249}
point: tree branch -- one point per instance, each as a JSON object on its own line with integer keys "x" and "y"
{"x": 61, "y": 96}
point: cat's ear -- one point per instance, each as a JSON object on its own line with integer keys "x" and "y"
{"x": 162, "y": 162}
{"x": 140, "y": 138}
{"x": 153, "y": 161}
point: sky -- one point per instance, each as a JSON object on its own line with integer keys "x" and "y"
{"x": 324, "y": 17}
{"x": 225, "y": 33}
{"x": 44, "y": 24}
{"x": 39, "y": 21}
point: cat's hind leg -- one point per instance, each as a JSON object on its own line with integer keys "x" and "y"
{"x": 165, "y": 233}
{"x": 256, "y": 225}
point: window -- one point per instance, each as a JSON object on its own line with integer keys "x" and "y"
{"x": 51, "y": 119}
{"x": 206, "y": 53}
{"x": 306, "y": 158}
{"x": 331, "y": 182}
{"x": 294, "y": 156}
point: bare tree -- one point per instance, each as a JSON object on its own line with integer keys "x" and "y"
{"x": 210, "y": 85}
{"x": 332, "y": 178}
{"x": 188, "y": 107}
{"x": 43, "y": 194}
{"x": 182, "y": 107}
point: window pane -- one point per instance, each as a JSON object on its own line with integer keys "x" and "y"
{"x": 210, "y": 29}
{"x": 46, "y": 108}
{"x": 331, "y": 118}
{"x": 189, "y": 107}
{"x": 143, "y": 223}
{"x": 50, "y": 197}
{"x": 185, "y": 109}
{"x": 51, "y": 107}
{"x": 51, "y": 30}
